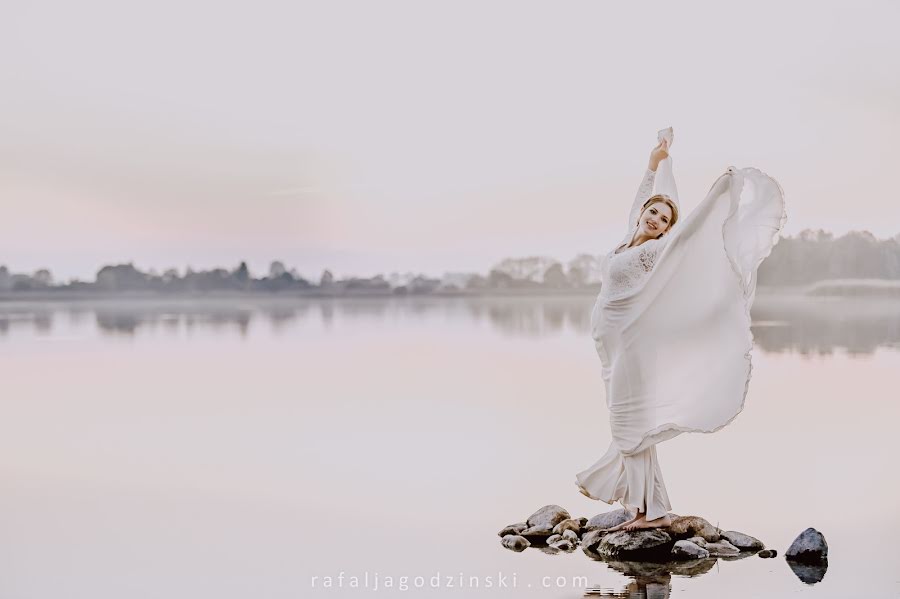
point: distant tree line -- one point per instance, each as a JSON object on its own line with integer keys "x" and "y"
{"x": 808, "y": 257}
{"x": 817, "y": 256}
{"x": 127, "y": 278}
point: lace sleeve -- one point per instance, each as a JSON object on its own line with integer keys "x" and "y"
{"x": 643, "y": 194}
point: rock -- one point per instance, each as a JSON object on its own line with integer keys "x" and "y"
{"x": 547, "y": 517}
{"x": 643, "y": 545}
{"x": 515, "y": 542}
{"x": 688, "y": 550}
{"x": 608, "y": 519}
{"x": 582, "y": 522}
{"x": 700, "y": 541}
{"x": 513, "y": 529}
{"x": 685, "y": 527}
{"x": 568, "y": 524}
{"x": 809, "y": 573}
{"x": 742, "y": 541}
{"x": 571, "y": 535}
{"x": 553, "y": 538}
{"x": 589, "y": 543}
{"x": 564, "y": 545}
{"x": 537, "y": 532}
{"x": 722, "y": 547}
{"x": 766, "y": 553}
{"x": 809, "y": 547}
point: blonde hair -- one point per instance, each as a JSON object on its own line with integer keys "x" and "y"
{"x": 663, "y": 198}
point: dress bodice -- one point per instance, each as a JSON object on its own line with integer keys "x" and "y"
{"x": 620, "y": 273}
{"x": 626, "y": 270}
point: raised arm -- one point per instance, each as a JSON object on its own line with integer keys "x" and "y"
{"x": 643, "y": 194}
{"x": 645, "y": 190}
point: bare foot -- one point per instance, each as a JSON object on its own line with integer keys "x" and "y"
{"x": 638, "y": 516}
{"x": 644, "y": 523}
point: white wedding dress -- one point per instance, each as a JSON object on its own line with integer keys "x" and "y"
{"x": 672, "y": 328}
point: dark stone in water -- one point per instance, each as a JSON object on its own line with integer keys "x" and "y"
{"x": 742, "y": 541}
{"x": 515, "y": 543}
{"x": 809, "y": 547}
{"x": 767, "y": 553}
{"x": 589, "y": 543}
{"x": 513, "y": 529}
{"x": 687, "y": 550}
{"x": 652, "y": 545}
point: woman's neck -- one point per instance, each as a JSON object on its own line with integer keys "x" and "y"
{"x": 639, "y": 238}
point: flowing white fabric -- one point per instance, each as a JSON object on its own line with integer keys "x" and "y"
{"x": 672, "y": 328}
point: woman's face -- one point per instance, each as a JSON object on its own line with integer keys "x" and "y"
{"x": 655, "y": 219}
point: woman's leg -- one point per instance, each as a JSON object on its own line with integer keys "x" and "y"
{"x": 646, "y": 490}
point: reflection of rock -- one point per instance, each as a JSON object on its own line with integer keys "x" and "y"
{"x": 809, "y": 573}
{"x": 636, "y": 589}
{"x": 608, "y": 519}
{"x": 692, "y": 568}
{"x": 643, "y": 571}
{"x": 688, "y": 550}
{"x": 515, "y": 542}
{"x": 736, "y": 556}
{"x": 809, "y": 547}
{"x": 649, "y": 545}
{"x": 742, "y": 541}
{"x": 662, "y": 570}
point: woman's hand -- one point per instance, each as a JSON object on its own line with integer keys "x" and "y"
{"x": 659, "y": 153}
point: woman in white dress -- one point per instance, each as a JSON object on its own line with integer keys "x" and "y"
{"x": 672, "y": 325}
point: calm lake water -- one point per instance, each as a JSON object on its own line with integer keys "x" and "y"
{"x": 263, "y": 448}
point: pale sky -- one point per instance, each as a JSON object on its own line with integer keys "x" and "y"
{"x": 371, "y": 137}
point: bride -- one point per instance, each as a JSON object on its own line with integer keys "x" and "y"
{"x": 672, "y": 324}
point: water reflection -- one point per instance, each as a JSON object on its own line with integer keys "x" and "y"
{"x": 809, "y": 573}
{"x": 652, "y": 579}
{"x": 781, "y": 323}
{"x": 649, "y": 579}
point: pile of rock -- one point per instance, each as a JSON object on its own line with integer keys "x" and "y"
{"x": 552, "y": 529}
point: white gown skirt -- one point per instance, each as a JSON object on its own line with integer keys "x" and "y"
{"x": 676, "y": 351}
{"x": 635, "y": 480}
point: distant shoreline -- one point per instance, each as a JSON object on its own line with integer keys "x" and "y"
{"x": 861, "y": 288}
